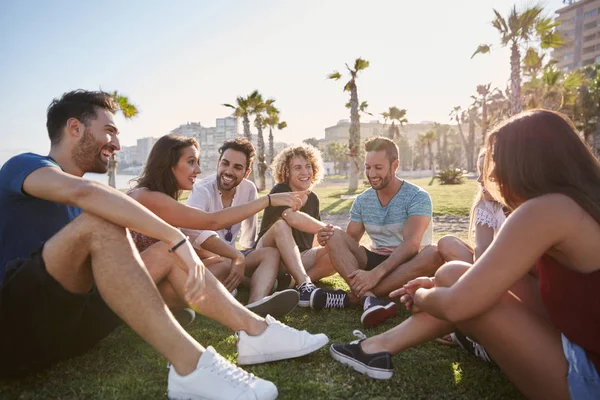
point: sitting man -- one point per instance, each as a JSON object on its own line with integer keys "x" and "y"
{"x": 229, "y": 188}
{"x": 297, "y": 168}
{"x": 397, "y": 217}
{"x": 69, "y": 271}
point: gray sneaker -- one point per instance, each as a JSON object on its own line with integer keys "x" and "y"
{"x": 277, "y": 305}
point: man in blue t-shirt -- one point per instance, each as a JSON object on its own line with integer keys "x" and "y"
{"x": 397, "y": 217}
{"x": 69, "y": 271}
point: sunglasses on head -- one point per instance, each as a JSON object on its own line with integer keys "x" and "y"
{"x": 228, "y": 235}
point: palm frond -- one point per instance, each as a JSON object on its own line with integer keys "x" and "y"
{"x": 552, "y": 41}
{"x": 360, "y": 64}
{"x": 347, "y": 86}
{"x": 482, "y": 49}
{"x": 282, "y": 125}
{"x": 334, "y": 75}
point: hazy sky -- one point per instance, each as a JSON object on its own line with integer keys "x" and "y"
{"x": 180, "y": 60}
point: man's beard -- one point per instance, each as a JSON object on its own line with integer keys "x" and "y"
{"x": 87, "y": 154}
{"x": 385, "y": 181}
{"x": 234, "y": 183}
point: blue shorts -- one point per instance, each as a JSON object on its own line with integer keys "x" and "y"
{"x": 247, "y": 251}
{"x": 584, "y": 382}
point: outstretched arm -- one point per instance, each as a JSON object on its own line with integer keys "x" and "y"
{"x": 523, "y": 239}
{"x": 184, "y": 216}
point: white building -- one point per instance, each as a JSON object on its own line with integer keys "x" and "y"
{"x": 144, "y": 145}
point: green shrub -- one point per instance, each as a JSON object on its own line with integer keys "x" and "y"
{"x": 450, "y": 176}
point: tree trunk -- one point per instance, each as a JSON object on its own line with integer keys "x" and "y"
{"x": 354, "y": 141}
{"x": 262, "y": 165}
{"x": 471, "y": 143}
{"x": 484, "y": 122}
{"x": 248, "y": 135}
{"x": 461, "y": 135}
{"x": 596, "y": 138}
{"x": 112, "y": 171}
{"x": 515, "y": 79}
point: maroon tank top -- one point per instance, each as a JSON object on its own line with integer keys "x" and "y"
{"x": 573, "y": 303}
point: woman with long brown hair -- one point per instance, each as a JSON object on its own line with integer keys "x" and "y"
{"x": 171, "y": 168}
{"x": 540, "y": 167}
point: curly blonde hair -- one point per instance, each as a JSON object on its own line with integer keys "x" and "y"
{"x": 280, "y": 167}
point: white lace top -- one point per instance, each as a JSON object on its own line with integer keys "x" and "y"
{"x": 490, "y": 213}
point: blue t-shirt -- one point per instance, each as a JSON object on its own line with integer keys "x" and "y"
{"x": 26, "y": 221}
{"x": 384, "y": 225}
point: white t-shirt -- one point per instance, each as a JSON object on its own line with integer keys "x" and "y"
{"x": 490, "y": 213}
{"x": 206, "y": 196}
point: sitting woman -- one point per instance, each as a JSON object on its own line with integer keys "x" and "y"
{"x": 486, "y": 217}
{"x": 172, "y": 167}
{"x": 539, "y": 166}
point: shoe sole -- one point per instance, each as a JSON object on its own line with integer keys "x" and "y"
{"x": 265, "y": 358}
{"x": 375, "y": 373}
{"x": 276, "y": 305}
{"x": 378, "y": 315}
{"x": 186, "y": 396}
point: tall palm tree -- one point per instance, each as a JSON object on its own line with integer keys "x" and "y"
{"x": 483, "y": 92}
{"x": 395, "y": 115}
{"x": 518, "y": 29}
{"x": 272, "y": 122}
{"x": 587, "y": 107}
{"x": 129, "y": 111}
{"x": 553, "y": 90}
{"x": 242, "y": 109}
{"x": 458, "y": 115}
{"x": 354, "y": 141}
{"x": 259, "y": 108}
{"x": 429, "y": 138}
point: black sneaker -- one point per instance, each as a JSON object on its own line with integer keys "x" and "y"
{"x": 376, "y": 365}
{"x": 305, "y": 290}
{"x": 471, "y": 346}
{"x": 376, "y": 311}
{"x": 324, "y": 298}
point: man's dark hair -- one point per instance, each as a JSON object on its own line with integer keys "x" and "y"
{"x": 380, "y": 143}
{"x": 242, "y": 145}
{"x": 80, "y": 104}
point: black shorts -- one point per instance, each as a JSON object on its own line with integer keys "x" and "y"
{"x": 374, "y": 259}
{"x": 42, "y": 323}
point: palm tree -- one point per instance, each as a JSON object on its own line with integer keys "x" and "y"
{"x": 272, "y": 121}
{"x": 242, "y": 109}
{"x": 553, "y": 90}
{"x": 587, "y": 107}
{"x": 429, "y": 138}
{"x": 519, "y": 29}
{"x": 458, "y": 115}
{"x": 260, "y": 109}
{"x": 129, "y": 111}
{"x": 482, "y": 101}
{"x": 395, "y": 114}
{"x": 354, "y": 141}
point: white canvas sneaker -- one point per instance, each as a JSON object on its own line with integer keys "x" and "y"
{"x": 277, "y": 342}
{"x": 216, "y": 378}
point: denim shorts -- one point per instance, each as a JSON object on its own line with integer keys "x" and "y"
{"x": 584, "y": 382}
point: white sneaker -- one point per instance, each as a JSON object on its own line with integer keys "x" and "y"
{"x": 277, "y": 342}
{"x": 216, "y": 378}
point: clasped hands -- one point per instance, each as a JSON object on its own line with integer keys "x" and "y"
{"x": 408, "y": 293}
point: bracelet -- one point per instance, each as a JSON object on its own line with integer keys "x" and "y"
{"x": 269, "y": 197}
{"x": 172, "y": 249}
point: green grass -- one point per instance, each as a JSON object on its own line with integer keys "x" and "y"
{"x": 123, "y": 366}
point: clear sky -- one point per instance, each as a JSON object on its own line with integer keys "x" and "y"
{"x": 180, "y": 60}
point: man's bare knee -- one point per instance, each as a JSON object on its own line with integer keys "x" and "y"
{"x": 269, "y": 254}
{"x": 280, "y": 226}
{"x": 450, "y": 272}
{"x": 336, "y": 240}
